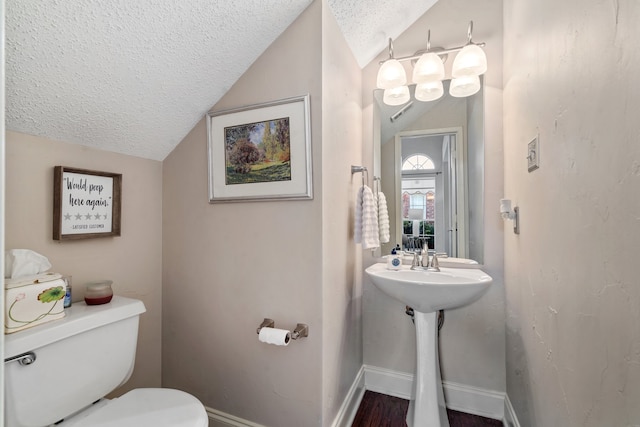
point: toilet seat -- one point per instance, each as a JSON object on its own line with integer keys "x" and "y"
{"x": 153, "y": 407}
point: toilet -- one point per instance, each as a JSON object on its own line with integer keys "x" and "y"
{"x": 59, "y": 372}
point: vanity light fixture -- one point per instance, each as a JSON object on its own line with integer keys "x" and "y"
{"x": 391, "y": 74}
{"x": 396, "y": 96}
{"x": 430, "y": 67}
{"x": 471, "y": 61}
{"x": 464, "y": 86}
{"x": 430, "y": 91}
{"x": 428, "y": 72}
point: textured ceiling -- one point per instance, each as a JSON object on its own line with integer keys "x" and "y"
{"x": 368, "y": 24}
{"x": 134, "y": 77}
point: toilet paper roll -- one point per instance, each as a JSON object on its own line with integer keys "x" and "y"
{"x": 505, "y": 205}
{"x": 274, "y": 336}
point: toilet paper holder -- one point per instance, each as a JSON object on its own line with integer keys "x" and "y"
{"x": 301, "y": 330}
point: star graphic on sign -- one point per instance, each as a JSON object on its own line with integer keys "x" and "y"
{"x": 78, "y": 216}
{"x": 87, "y": 216}
{"x": 97, "y": 216}
{"x": 67, "y": 217}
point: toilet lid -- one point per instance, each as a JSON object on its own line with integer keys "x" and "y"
{"x": 153, "y": 407}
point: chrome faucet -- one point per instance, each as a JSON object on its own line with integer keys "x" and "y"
{"x": 435, "y": 265}
{"x": 421, "y": 261}
{"x": 424, "y": 255}
{"x": 415, "y": 263}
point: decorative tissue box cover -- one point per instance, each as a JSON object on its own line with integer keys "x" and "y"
{"x": 33, "y": 300}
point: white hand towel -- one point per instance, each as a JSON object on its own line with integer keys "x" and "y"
{"x": 370, "y": 232}
{"x": 357, "y": 233}
{"x": 383, "y": 217}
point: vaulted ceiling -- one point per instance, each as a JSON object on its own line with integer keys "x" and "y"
{"x": 134, "y": 77}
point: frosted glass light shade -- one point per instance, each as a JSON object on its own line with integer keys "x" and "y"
{"x": 429, "y": 68}
{"x": 464, "y": 86}
{"x": 391, "y": 74}
{"x": 429, "y": 91}
{"x": 470, "y": 61}
{"x": 396, "y": 96}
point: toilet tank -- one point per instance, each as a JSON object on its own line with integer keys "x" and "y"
{"x": 78, "y": 360}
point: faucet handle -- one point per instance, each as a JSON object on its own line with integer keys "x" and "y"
{"x": 416, "y": 261}
{"x": 434, "y": 262}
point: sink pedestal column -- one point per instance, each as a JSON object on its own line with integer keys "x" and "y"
{"x": 428, "y": 408}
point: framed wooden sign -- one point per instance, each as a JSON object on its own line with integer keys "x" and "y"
{"x": 86, "y": 203}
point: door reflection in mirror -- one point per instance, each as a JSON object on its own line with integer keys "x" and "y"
{"x": 428, "y": 191}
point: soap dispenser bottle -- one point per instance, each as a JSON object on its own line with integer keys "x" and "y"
{"x": 394, "y": 261}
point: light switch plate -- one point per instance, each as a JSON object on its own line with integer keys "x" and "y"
{"x": 533, "y": 154}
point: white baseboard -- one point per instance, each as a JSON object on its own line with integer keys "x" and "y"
{"x": 474, "y": 400}
{"x": 391, "y": 383}
{"x": 459, "y": 397}
{"x": 344, "y": 417}
{"x": 510, "y": 418}
{"x": 349, "y": 407}
{"x": 222, "y": 419}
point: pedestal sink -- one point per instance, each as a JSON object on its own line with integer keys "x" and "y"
{"x": 427, "y": 292}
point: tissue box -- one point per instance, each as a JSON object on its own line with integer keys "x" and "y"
{"x": 33, "y": 300}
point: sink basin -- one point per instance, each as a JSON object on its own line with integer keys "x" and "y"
{"x": 429, "y": 291}
{"x": 454, "y": 262}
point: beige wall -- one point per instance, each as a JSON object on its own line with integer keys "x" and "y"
{"x": 132, "y": 261}
{"x": 573, "y": 322}
{"x": 342, "y": 258}
{"x": 229, "y": 265}
{"x": 472, "y": 340}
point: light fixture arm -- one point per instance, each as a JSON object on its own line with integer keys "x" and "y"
{"x": 439, "y": 52}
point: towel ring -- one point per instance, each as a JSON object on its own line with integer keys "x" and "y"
{"x": 357, "y": 169}
{"x": 376, "y": 184}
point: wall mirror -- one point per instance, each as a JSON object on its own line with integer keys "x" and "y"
{"x": 430, "y": 158}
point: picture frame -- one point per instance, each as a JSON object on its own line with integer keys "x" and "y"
{"x": 86, "y": 203}
{"x": 260, "y": 152}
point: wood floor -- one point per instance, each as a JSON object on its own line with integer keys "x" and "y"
{"x": 379, "y": 410}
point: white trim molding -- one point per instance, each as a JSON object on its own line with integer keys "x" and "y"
{"x": 344, "y": 417}
{"x": 222, "y": 419}
{"x": 474, "y": 400}
{"x": 459, "y": 397}
{"x": 391, "y": 383}
{"x": 510, "y": 418}
{"x": 349, "y": 407}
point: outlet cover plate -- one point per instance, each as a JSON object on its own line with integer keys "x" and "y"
{"x": 533, "y": 154}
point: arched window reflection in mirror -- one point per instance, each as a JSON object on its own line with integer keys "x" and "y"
{"x": 418, "y": 162}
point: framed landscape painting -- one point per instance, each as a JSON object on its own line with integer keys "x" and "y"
{"x": 260, "y": 152}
